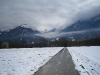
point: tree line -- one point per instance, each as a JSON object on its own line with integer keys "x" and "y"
{"x": 62, "y": 42}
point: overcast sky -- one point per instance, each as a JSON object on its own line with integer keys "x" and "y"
{"x": 45, "y": 14}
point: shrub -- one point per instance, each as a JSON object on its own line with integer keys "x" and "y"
{"x": 5, "y": 45}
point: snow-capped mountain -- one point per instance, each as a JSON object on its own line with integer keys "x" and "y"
{"x": 88, "y": 28}
{"x": 83, "y": 29}
{"x": 19, "y": 33}
{"x": 87, "y": 24}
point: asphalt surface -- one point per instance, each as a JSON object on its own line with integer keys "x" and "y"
{"x": 60, "y": 64}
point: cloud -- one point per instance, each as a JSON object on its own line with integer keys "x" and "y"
{"x": 57, "y": 34}
{"x": 45, "y": 14}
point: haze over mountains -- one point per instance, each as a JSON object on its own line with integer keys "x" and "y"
{"x": 80, "y": 30}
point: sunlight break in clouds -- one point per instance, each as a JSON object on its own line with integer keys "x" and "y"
{"x": 45, "y": 14}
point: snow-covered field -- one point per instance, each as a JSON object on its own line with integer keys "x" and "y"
{"x": 86, "y": 59}
{"x": 24, "y": 61}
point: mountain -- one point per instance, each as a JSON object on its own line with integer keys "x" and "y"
{"x": 82, "y": 29}
{"x": 19, "y": 33}
{"x": 88, "y": 28}
{"x": 87, "y": 24}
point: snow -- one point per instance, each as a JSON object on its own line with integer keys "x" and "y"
{"x": 24, "y": 61}
{"x": 57, "y": 39}
{"x": 97, "y": 18}
{"x": 53, "y": 40}
{"x": 86, "y": 59}
{"x": 23, "y": 25}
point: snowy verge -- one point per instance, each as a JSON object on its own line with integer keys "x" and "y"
{"x": 86, "y": 59}
{"x": 24, "y": 61}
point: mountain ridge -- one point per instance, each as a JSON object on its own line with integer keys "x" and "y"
{"x": 84, "y": 24}
{"x": 19, "y": 33}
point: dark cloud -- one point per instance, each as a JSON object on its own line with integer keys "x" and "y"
{"x": 45, "y": 14}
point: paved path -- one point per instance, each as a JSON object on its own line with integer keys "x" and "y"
{"x": 60, "y": 64}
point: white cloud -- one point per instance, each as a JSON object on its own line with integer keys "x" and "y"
{"x": 57, "y": 34}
